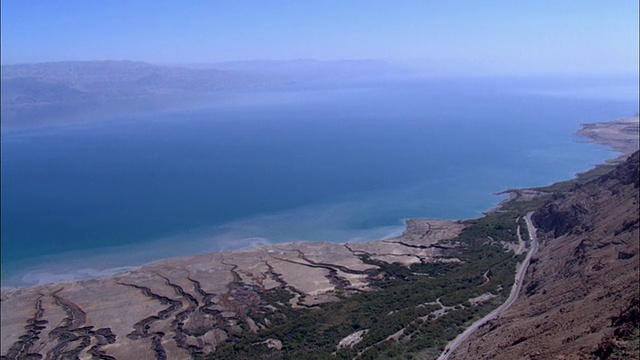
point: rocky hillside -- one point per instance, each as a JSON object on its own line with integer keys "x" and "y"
{"x": 580, "y": 297}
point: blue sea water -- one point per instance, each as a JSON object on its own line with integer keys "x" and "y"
{"x": 344, "y": 163}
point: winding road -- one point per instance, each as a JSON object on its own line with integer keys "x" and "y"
{"x": 515, "y": 290}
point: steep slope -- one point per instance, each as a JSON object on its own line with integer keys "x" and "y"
{"x": 580, "y": 297}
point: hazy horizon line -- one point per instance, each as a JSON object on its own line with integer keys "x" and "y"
{"x": 419, "y": 66}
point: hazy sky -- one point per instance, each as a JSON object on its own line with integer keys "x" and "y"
{"x": 509, "y": 36}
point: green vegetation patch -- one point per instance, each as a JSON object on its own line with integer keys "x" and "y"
{"x": 424, "y": 305}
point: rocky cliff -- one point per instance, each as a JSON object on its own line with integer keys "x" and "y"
{"x": 580, "y": 297}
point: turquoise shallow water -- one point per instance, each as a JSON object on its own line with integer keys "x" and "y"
{"x": 326, "y": 164}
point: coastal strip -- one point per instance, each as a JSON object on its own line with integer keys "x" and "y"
{"x": 621, "y": 135}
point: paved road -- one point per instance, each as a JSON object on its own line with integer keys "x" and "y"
{"x": 515, "y": 290}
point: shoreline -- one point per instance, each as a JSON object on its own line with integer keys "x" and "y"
{"x": 617, "y": 134}
{"x": 86, "y": 265}
{"x": 621, "y": 135}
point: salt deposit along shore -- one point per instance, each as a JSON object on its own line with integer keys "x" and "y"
{"x": 214, "y": 292}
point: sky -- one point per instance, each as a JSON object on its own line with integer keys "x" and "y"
{"x": 510, "y": 37}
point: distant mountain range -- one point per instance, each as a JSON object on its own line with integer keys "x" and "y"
{"x": 80, "y": 81}
{"x": 307, "y": 70}
{"x": 78, "y": 91}
{"x": 67, "y": 82}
